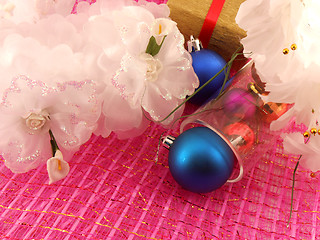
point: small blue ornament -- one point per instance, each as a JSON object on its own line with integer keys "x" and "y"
{"x": 206, "y": 64}
{"x": 200, "y": 160}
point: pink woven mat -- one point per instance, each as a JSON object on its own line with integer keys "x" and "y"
{"x": 115, "y": 190}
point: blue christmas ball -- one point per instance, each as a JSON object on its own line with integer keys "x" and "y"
{"x": 206, "y": 64}
{"x": 200, "y": 160}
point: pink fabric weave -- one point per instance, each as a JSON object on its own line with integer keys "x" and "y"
{"x": 115, "y": 190}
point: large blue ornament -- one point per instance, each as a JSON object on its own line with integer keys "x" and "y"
{"x": 200, "y": 160}
{"x": 206, "y": 64}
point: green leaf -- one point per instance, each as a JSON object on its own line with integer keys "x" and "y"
{"x": 153, "y": 48}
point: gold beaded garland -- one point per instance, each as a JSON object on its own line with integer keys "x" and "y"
{"x": 293, "y": 46}
{"x": 313, "y": 131}
{"x": 285, "y": 51}
{"x": 306, "y": 134}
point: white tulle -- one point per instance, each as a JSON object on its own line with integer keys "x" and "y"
{"x": 84, "y": 73}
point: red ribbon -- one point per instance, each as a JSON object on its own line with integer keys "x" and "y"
{"x": 210, "y": 22}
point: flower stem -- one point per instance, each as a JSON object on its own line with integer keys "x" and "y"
{"x": 292, "y": 189}
{"x": 53, "y": 142}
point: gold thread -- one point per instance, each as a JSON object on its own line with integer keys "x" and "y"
{"x": 55, "y": 229}
{"x": 119, "y": 229}
{"x": 142, "y": 197}
{"x": 71, "y": 215}
{"x": 29, "y": 210}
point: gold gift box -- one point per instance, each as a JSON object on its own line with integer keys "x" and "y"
{"x": 190, "y": 15}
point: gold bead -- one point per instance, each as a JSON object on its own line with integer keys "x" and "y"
{"x": 285, "y": 51}
{"x": 312, "y": 110}
{"x": 313, "y": 175}
{"x": 319, "y": 131}
{"x": 313, "y": 131}
{"x": 293, "y": 47}
{"x": 306, "y": 134}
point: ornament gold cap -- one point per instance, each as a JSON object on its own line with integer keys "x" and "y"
{"x": 194, "y": 45}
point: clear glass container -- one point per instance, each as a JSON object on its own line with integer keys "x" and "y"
{"x": 241, "y": 118}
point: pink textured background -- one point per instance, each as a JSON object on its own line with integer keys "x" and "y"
{"x": 115, "y": 190}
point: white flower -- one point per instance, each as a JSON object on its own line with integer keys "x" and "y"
{"x": 47, "y": 7}
{"x": 270, "y": 27}
{"x": 138, "y": 83}
{"x": 302, "y": 92}
{"x": 57, "y": 168}
{"x": 283, "y": 37}
{"x": 105, "y": 7}
{"x": 295, "y": 143}
{"x": 44, "y": 83}
{"x": 29, "y": 108}
{"x": 31, "y": 11}
{"x": 41, "y": 53}
{"x": 6, "y": 10}
{"x": 157, "y": 10}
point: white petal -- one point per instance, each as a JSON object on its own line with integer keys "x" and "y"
{"x": 119, "y": 114}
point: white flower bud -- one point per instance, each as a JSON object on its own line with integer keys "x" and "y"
{"x": 37, "y": 121}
